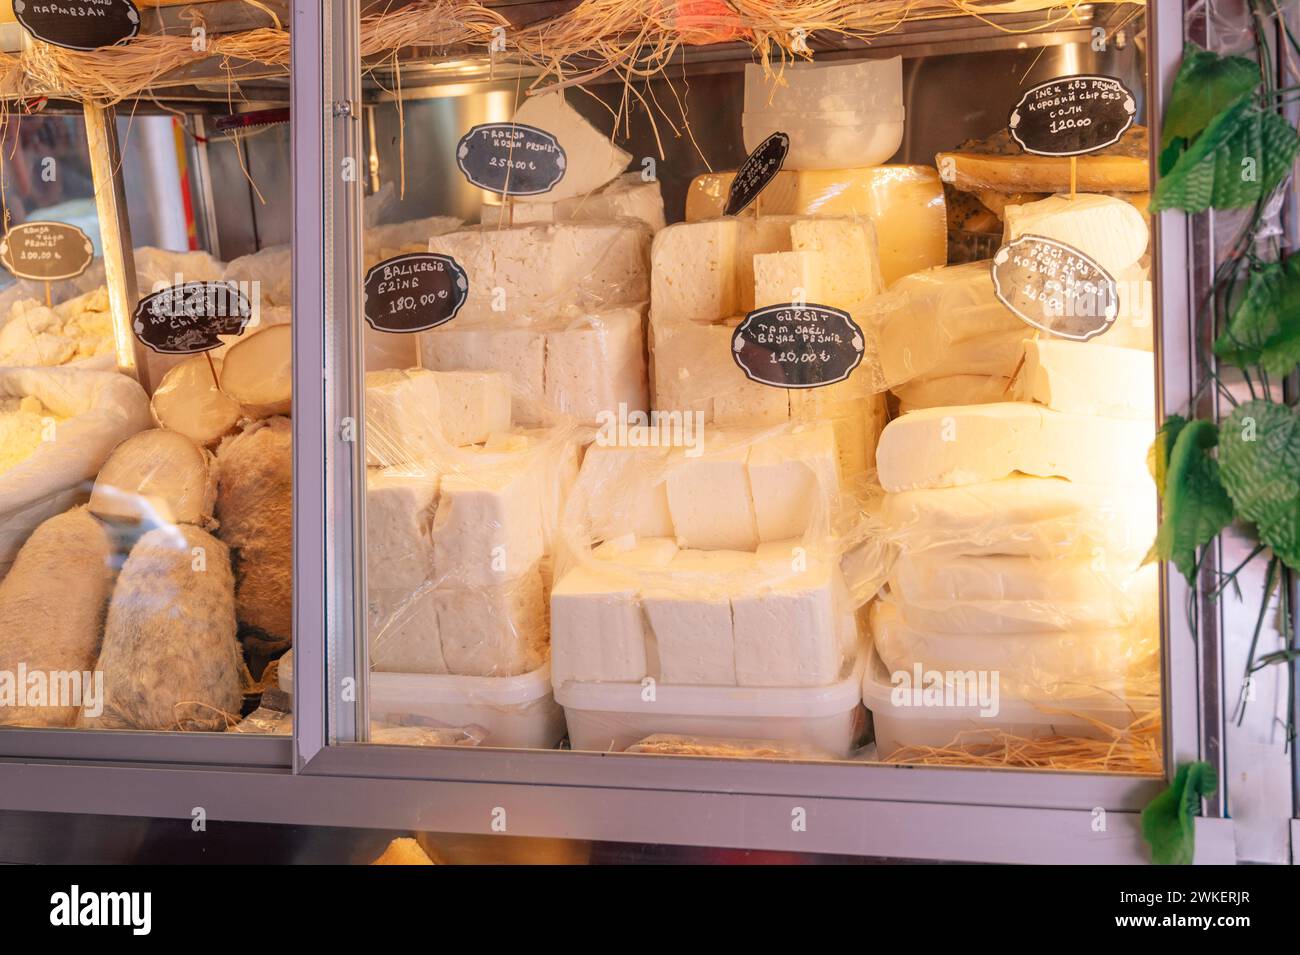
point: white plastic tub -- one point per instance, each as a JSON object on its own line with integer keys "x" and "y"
{"x": 897, "y": 726}
{"x": 512, "y": 711}
{"x": 837, "y": 115}
{"x": 610, "y": 717}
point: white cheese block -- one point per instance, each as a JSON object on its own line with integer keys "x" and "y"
{"x": 595, "y": 364}
{"x": 710, "y": 501}
{"x": 736, "y": 399}
{"x": 951, "y": 390}
{"x": 1135, "y": 324}
{"x": 591, "y": 159}
{"x": 691, "y": 628}
{"x": 597, "y": 628}
{"x": 628, "y": 550}
{"x": 625, "y": 489}
{"x": 385, "y": 241}
{"x": 947, "y": 447}
{"x": 488, "y": 527}
{"x": 535, "y": 271}
{"x": 400, "y": 506}
{"x": 1030, "y": 516}
{"x": 1006, "y": 594}
{"x": 763, "y": 235}
{"x": 789, "y": 632}
{"x": 857, "y": 423}
{"x": 920, "y": 324}
{"x": 1108, "y": 230}
{"x": 495, "y": 630}
{"x": 794, "y": 482}
{"x": 782, "y": 278}
{"x": 850, "y": 259}
{"x": 905, "y": 203}
{"x": 627, "y": 197}
{"x": 473, "y": 405}
{"x": 693, "y": 273}
{"x": 1089, "y": 378}
{"x": 519, "y": 353}
{"x": 402, "y": 416}
{"x": 403, "y": 630}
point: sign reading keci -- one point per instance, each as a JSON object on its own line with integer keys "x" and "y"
{"x": 414, "y": 292}
{"x": 1072, "y": 115}
{"x": 797, "y": 346}
{"x": 1055, "y": 287}
{"x": 186, "y": 319}
{"x": 46, "y": 251}
{"x": 758, "y": 169}
{"x": 511, "y": 159}
{"x": 79, "y": 24}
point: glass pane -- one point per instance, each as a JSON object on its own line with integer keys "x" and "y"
{"x": 664, "y": 460}
{"x": 145, "y": 477}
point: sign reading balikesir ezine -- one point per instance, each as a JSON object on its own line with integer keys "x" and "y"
{"x": 79, "y": 24}
{"x": 1072, "y": 115}
{"x": 797, "y": 346}
{"x": 186, "y": 319}
{"x": 414, "y": 292}
{"x": 758, "y": 169}
{"x": 1055, "y": 287}
{"x": 511, "y": 159}
{"x": 46, "y": 251}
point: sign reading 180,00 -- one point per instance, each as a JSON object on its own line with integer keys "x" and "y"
{"x": 414, "y": 292}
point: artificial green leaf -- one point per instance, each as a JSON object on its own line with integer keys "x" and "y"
{"x": 1243, "y": 155}
{"x": 1169, "y": 155}
{"x": 1169, "y": 820}
{"x": 1205, "y": 85}
{"x": 1196, "y": 507}
{"x": 1259, "y": 461}
{"x": 1264, "y": 326}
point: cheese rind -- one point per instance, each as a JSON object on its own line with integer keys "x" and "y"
{"x": 1089, "y": 378}
{"x": 947, "y": 447}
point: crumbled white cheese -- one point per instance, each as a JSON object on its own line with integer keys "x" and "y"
{"x": 24, "y": 424}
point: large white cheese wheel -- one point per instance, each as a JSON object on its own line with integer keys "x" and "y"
{"x": 1109, "y": 230}
{"x": 948, "y": 447}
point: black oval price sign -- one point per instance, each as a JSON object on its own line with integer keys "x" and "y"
{"x": 1072, "y": 115}
{"x": 46, "y": 251}
{"x": 511, "y": 159}
{"x": 186, "y": 319}
{"x": 797, "y": 346}
{"x": 414, "y": 292}
{"x": 79, "y": 24}
{"x": 1055, "y": 287}
{"x": 758, "y": 169}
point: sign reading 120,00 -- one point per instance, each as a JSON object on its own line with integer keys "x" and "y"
{"x": 797, "y": 345}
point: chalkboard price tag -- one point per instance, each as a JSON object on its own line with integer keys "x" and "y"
{"x": 414, "y": 292}
{"x": 1072, "y": 115}
{"x": 46, "y": 251}
{"x": 186, "y": 319}
{"x": 756, "y": 172}
{"x": 79, "y": 24}
{"x": 797, "y": 346}
{"x": 511, "y": 159}
{"x": 1055, "y": 287}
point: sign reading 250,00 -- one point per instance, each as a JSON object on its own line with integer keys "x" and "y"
{"x": 511, "y": 159}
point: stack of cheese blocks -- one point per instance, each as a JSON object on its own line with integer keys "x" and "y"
{"x": 1022, "y": 523}
{"x": 942, "y": 337}
{"x": 709, "y": 571}
{"x": 707, "y": 275}
{"x": 460, "y": 520}
{"x": 558, "y": 283}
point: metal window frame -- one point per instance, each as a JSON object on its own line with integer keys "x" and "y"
{"x": 898, "y": 811}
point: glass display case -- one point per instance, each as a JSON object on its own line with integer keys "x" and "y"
{"x": 737, "y": 438}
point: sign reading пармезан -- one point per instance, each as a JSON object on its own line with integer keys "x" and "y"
{"x": 1072, "y": 115}
{"x": 414, "y": 292}
{"x": 79, "y": 24}
{"x": 46, "y": 251}
{"x": 511, "y": 159}
{"x": 797, "y": 346}
{"x": 187, "y": 319}
{"x": 758, "y": 169}
{"x": 1055, "y": 287}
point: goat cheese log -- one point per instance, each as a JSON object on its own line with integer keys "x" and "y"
{"x": 52, "y": 614}
{"x": 170, "y": 658}
{"x": 255, "y": 515}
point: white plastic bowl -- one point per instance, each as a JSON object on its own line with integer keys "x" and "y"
{"x": 610, "y": 717}
{"x": 513, "y": 711}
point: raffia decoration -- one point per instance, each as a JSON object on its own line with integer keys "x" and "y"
{"x": 1133, "y": 749}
